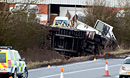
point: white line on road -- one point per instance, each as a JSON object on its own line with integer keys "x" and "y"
{"x": 78, "y": 71}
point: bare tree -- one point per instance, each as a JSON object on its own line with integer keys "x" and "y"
{"x": 118, "y": 17}
{"x": 123, "y": 25}
{"x": 99, "y": 10}
{"x": 20, "y": 29}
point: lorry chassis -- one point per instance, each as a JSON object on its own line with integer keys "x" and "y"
{"x": 73, "y": 42}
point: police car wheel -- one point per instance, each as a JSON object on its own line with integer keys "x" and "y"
{"x": 25, "y": 74}
{"x": 15, "y": 74}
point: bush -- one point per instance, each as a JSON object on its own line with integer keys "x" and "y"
{"x": 120, "y": 23}
{"x": 21, "y": 31}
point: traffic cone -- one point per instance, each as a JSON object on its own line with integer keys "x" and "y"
{"x": 106, "y": 69}
{"x": 10, "y": 77}
{"x": 49, "y": 66}
{"x": 61, "y": 75}
{"x": 94, "y": 59}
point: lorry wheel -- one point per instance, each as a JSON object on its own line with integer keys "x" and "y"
{"x": 24, "y": 75}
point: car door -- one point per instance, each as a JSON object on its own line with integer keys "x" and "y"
{"x": 19, "y": 65}
{"x": 13, "y": 61}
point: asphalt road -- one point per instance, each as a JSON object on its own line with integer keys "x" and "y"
{"x": 87, "y": 69}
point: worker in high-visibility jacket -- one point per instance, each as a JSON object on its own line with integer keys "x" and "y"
{"x": 63, "y": 24}
{"x": 56, "y": 24}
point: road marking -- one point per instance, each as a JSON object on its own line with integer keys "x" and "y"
{"x": 38, "y": 69}
{"x": 87, "y": 62}
{"x": 32, "y": 70}
{"x": 78, "y": 71}
{"x": 73, "y": 64}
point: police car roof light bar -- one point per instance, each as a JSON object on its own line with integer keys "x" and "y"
{"x": 5, "y": 47}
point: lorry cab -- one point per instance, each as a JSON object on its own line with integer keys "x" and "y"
{"x": 105, "y": 29}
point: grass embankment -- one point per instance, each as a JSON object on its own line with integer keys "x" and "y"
{"x": 60, "y": 61}
{"x": 120, "y": 51}
{"x": 32, "y": 65}
{"x": 37, "y": 64}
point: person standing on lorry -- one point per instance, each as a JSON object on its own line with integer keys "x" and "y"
{"x": 62, "y": 24}
{"x": 57, "y": 24}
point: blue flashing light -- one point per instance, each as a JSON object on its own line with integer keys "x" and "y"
{"x": 5, "y": 47}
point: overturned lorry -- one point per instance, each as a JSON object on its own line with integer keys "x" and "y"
{"x": 83, "y": 39}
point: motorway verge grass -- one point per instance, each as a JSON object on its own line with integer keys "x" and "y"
{"x": 106, "y": 55}
{"x": 120, "y": 51}
{"x": 31, "y": 65}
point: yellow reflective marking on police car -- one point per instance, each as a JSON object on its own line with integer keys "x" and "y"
{"x": 21, "y": 64}
{"x": 12, "y": 61}
{"x": 22, "y": 67}
{"x": 19, "y": 69}
{"x": 17, "y": 64}
{"x": 3, "y": 66}
{"x": 3, "y": 61}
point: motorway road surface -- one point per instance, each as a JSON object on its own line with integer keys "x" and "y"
{"x": 86, "y": 69}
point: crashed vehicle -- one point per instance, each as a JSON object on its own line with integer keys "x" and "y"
{"x": 82, "y": 39}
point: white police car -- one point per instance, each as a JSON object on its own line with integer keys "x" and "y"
{"x": 11, "y": 64}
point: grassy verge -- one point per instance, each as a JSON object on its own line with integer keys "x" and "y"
{"x": 114, "y": 54}
{"x": 32, "y": 65}
{"x": 120, "y": 51}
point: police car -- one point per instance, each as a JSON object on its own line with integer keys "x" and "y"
{"x": 11, "y": 64}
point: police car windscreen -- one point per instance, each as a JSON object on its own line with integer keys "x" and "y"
{"x": 2, "y": 57}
